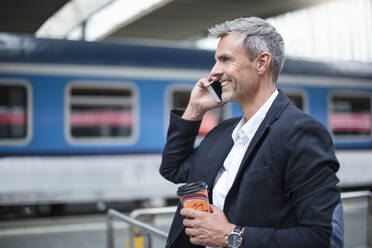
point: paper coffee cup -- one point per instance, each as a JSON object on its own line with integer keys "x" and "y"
{"x": 195, "y": 196}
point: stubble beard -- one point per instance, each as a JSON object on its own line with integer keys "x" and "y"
{"x": 233, "y": 94}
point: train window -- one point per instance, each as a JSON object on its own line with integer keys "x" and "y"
{"x": 297, "y": 98}
{"x": 350, "y": 115}
{"x": 180, "y": 98}
{"x": 101, "y": 112}
{"x": 14, "y": 113}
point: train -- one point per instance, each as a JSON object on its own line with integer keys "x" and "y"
{"x": 85, "y": 122}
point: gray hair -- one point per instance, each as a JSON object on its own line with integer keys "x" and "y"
{"x": 259, "y": 36}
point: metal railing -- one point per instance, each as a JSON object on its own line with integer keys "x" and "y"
{"x": 147, "y": 215}
{"x": 135, "y": 224}
{"x": 148, "y": 230}
{"x": 361, "y": 195}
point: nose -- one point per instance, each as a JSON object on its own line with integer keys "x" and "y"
{"x": 216, "y": 72}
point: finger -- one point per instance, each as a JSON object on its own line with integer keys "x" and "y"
{"x": 190, "y": 213}
{"x": 193, "y": 240}
{"x": 190, "y": 232}
{"x": 197, "y": 241}
{"x": 187, "y": 222}
{"x": 203, "y": 82}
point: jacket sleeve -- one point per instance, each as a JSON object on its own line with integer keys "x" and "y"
{"x": 310, "y": 185}
{"x": 176, "y": 159}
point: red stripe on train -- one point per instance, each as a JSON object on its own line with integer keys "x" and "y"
{"x": 347, "y": 121}
{"x": 101, "y": 118}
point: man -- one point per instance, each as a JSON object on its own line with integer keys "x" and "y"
{"x": 270, "y": 173}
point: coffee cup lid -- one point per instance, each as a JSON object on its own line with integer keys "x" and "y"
{"x": 191, "y": 188}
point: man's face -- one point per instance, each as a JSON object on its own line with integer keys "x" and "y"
{"x": 233, "y": 69}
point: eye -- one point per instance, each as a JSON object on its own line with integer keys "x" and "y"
{"x": 224, "y": 59}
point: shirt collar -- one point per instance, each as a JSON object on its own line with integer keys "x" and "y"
{"x": 246, "y": 130}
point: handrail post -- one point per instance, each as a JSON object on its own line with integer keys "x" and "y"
{"x": 110, "y": 232}
{"x": 149, "y": 241}
{"x": 368, "y": 195}
{"x": 369, "y": 223}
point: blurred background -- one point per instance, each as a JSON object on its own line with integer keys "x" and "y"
{"x": 86, "y": 87}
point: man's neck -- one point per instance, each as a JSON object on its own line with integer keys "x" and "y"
{"x": 252, "y": 105}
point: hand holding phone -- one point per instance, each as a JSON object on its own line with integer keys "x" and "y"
{"x": 196, "y": 108}
{"x": 216, "y": 90}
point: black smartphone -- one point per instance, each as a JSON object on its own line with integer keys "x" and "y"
{"x": 215, "y": 90}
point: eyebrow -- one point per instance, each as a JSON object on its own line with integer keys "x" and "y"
{"x": 223, "y": 56}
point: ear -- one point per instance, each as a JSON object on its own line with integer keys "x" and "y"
{"x": 263, "y": 63}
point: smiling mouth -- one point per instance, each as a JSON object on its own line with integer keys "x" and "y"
{"x": 224, "y": 83}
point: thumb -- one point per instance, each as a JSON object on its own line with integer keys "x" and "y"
{"x": 214, "y": 209}
{"x": 203, "y": 82}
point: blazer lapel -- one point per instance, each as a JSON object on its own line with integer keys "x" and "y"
{"x": 273, "y": 114}
{"x": 217, "y": 156}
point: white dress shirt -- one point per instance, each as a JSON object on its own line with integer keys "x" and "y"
{"x": 242, "y": 136}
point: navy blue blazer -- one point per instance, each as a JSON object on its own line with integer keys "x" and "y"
{"x": 285, "y": 191}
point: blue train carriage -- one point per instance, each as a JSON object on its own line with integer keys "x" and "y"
{"x": 86, "y": 121}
